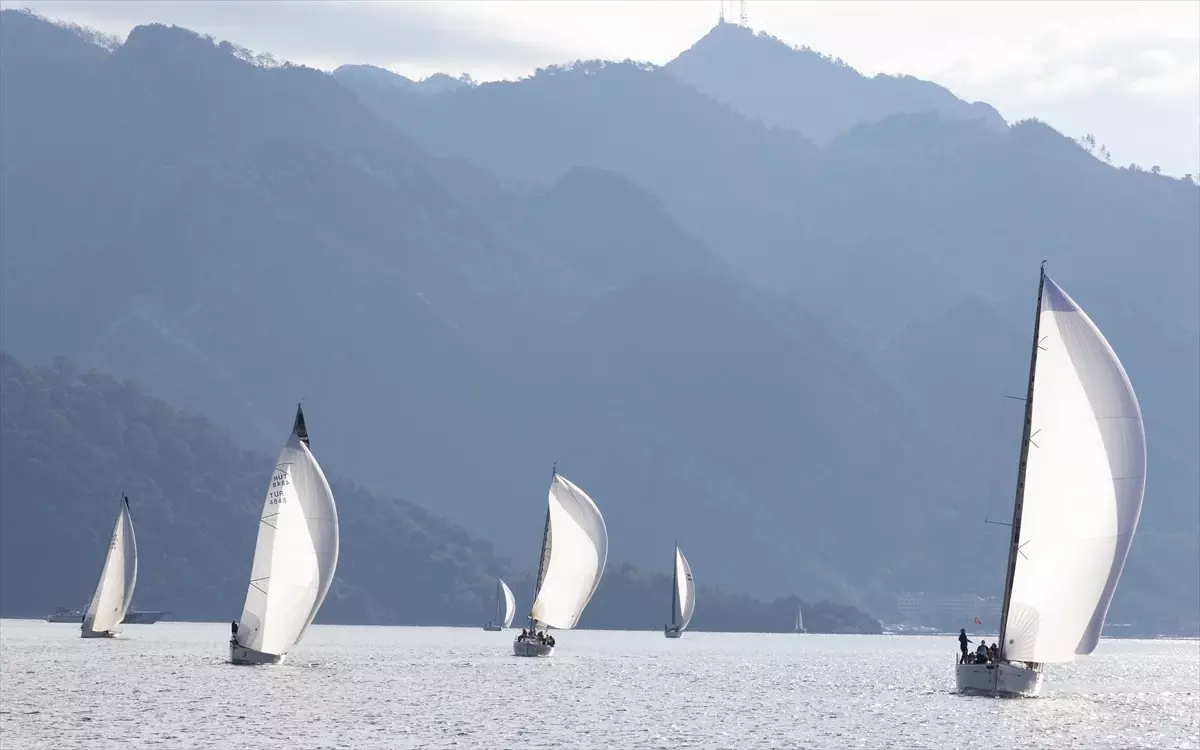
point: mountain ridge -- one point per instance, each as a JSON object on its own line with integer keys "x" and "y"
{"x": 798, "y": 88}
{"x": 719, "y": 327}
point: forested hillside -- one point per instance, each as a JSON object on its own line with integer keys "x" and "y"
{"x": 72, "y": 441}
{"x": 790, "y": 355}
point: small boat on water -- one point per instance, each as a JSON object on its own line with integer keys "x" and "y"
{"x": 506, "y": 608}
{"x": 134, "y": 616}
{"x": 1080, "y": 483}
{"x": 574, "y": 550}
{"x": 294, "y": 558}
{"x": 118, "y": 577}
{"x": 683, "y": 596}
{"x": 799, "y": 627}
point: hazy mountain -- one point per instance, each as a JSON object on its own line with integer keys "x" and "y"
{"x": 74, "y": 441}
{"x": 371, "y": 75}
{"x": 883, "y": 233}
{"x": 806, "y": 91}
{"x": 791, "y": 358}
{"x": 71, "y": 442}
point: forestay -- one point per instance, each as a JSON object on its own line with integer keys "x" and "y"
{"x": 118, "y": 577}
{"x": 1084, "y": 481}
{"x": 296, "y": 553}
{"x": 573, "y": 556}
{"x": 510, "y": 604}
{"x": 686, "y": 589}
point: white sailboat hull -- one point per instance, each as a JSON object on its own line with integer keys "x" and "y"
{"x": 672, "y": 632}
{"x": 531, "y": 648}
{"x": 241, "y": 655}
{"x": 84, "y": 633}
{"x": 1006, "y": 680}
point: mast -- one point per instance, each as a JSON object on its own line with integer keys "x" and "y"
{"x": 674, "y": 583}
{"x": 499, "y": 596}
{"x": 1014, "y": 546}
{"x": 545, "y": 551}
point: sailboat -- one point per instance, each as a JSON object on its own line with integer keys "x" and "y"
{"x": 574, "y": 550}
{"x": 294, "y": 558}
{"x": 1080, "y": 482}
{"x": 683, "y": 596}
{"x": 114, "y": 592}
{"x": 799, "y": 628}
{"x": 503, "y": 618}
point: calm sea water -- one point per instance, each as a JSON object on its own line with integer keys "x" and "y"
{"x": 169, "y": 686}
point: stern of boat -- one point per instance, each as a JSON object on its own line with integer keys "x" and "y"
{"x": 1005, "y": 680}
{"x": 85, "y": 633}
{"x": 531, "y": 648}
{"x": 239, "y": 654}
{"x": 671, "y": 632}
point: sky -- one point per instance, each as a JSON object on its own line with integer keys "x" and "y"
{"x": 1127, "y": 72}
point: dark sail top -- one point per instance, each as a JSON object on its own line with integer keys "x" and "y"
{"x": 298, "y": 427}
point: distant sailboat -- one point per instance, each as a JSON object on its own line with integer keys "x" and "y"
{"x": 574, "y": 550}
{"x": 799, "y": 619}
{"x": 294, "y": 558}
{"x": 118, "y": 577}
{"x": 1080, "y": 483}
{"x": 505, "y": 600}
{"x": 683, "y": 596}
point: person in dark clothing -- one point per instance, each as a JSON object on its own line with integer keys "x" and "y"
{"x": 233, "y": 628}
{"x": 963, "y": 640}
{"x": 994, "y": 653}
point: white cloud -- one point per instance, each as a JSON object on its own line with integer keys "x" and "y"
{"x": 1127, "y": 71}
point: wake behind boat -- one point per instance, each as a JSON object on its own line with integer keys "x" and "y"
{"x": 683, "y": 596}
{"x": 294, "y": 558}
{"x": 1080, "y": 484}
{"x": 574, "y": 550}
{"x": 504, "y": 598}
{"x": 118, "y": 577}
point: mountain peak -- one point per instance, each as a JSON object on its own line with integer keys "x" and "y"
{"x": 372, "y": 76}
{"x": 801, "y": 89}
{"x": 361, "y": 77}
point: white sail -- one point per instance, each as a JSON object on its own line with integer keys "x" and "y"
{"x": 573, "y": 556}
{"x": 510, "y": 604}
{"x": 799, "y": 618}
{"x": 1084, "y": 480}
{"x": 118, "y": 577}
{"x": 296, "y": 553}
{"x": 686, "y": 589}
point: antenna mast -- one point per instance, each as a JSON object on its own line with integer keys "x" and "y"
{"x": 744, "y": 18}
{"x": 722, "y": 18}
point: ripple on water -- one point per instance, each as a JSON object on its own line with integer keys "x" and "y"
{"x": 169, "y": 685}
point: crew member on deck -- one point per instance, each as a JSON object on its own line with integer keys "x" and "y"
{"x": 963, "y": 640}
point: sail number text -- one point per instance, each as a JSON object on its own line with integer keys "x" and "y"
{"x": 276, "y": 496}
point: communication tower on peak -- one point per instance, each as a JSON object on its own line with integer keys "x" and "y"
{"x": 745, "y": 19}
{"x": 722, "y": 18}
